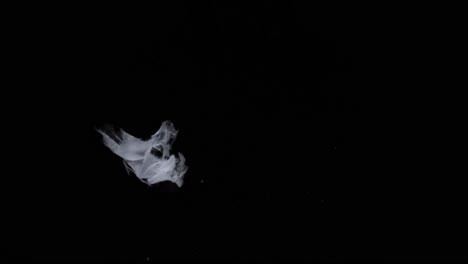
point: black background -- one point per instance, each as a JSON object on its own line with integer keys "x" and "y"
{"x": 281, "y": 112}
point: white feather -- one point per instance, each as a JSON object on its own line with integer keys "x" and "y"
{"x": 139, "y": 159}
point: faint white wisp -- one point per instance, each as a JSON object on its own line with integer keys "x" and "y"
{"x": 150, "y": 160}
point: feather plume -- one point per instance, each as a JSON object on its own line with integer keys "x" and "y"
{"x": 150, "y": 160}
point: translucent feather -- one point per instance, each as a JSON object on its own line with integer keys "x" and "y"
{"x": 150, "y": 160}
